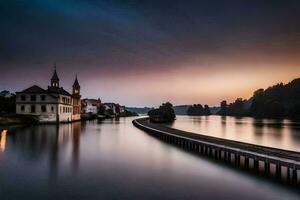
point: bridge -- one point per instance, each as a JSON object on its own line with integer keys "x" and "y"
{"x": 282, "y": 164}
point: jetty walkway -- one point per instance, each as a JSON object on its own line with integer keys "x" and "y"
{"x": 282, "y": 164}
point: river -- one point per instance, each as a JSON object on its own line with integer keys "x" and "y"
{"x": 112, "y": 159}
{"x": 282, "y": 134}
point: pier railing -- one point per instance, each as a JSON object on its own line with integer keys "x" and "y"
{"x": 282, "y": 164}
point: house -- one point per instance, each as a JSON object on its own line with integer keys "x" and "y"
{"x": 53, "y": 104}
{"x": 122, "y": 109}
{"x": 91, "y": 106}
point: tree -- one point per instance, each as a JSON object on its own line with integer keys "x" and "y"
{"x": 206, "y": 110}
{"x": 165, "y": 113}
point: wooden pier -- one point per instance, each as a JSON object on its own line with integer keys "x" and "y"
{"x": 281, "y": 164}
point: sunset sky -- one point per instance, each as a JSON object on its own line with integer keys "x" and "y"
{"x": 141, "y": 53}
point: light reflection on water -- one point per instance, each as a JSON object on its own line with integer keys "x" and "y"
{"x": 284, "y": 134}
{"x": 3, "y": 140}
{"x": 114, "y": 160}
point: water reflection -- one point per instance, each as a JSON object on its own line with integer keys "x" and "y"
{"x": 111, "y": 159}
{"x": 280, "y": 133}
{"x": 36, "y": 142}
{"x": 3, "y": 140}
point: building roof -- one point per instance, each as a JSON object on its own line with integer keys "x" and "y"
{"x": 76, "y": 83}
{"x": 57, "y": 90}
{"x": 33, "y": 89}
{"x": 55, "y": 77}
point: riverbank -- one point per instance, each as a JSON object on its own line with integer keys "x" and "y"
{"x": 229, "y": 151}
{"x": 13, "y": 119}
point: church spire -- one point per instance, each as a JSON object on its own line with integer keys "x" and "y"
{"x": 55, "y": 79}
{"x": 76, "y": 86}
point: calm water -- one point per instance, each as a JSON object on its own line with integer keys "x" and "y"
{"x": 284, "y": 134}
{"x": 114, "y": 160}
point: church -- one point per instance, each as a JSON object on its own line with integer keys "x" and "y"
{"x": 51, "y": 105}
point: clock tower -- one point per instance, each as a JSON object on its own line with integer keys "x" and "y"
{"x": 76, "y": 100}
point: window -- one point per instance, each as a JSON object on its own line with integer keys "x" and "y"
{"x": 32, "y": 98}
{"x": 52, "y": 108}
{"x": 22, "y": 108}
{"x": 43, "y": 97}
{"x": 32, "y": 109}
{"x": 23, "y": 98}
{"x": 43, "y": 108}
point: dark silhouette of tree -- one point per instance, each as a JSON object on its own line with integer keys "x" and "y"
{"x": 165, "y": 113}
{"x": 274, "y": 102}
{"x": 237, "y": 108}
{"x": 198, "y": 110}
{"x": 7, "y": 104}
{"x": 223, "y": 110}
{"x": 294, "y": 111}
{"x": 206, "y": 110}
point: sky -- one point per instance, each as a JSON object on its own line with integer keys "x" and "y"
{"x": 143, "y": 53}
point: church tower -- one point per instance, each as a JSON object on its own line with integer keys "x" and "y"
{"x": 76, "y": 100}
{"x": 55, "y": 79}
{"x": 76, "y": 87}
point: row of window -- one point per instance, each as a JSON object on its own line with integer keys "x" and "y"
{"x": 33, "y": 108}
{"x": 65, "y": 109}
{"x": 66, "y": 100}
{"x": 33, "y": 97}
{"x": 44, "y": 109}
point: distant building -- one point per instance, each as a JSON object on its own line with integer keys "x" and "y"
{"x": 52, "y": 105}
{"x": 122, "y": 109}
{"x": 90, "y": 105}
{"x": 114, "y": 109}
{"x": 110, "y": 109}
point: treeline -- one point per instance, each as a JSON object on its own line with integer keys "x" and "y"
{"x": 198, "y": 110}
{"x": 275, "y": 102}
{"x": 7, "y": 103}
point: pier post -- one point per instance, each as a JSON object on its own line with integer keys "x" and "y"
{"x": 294, "y": 176}
{"x": 278, "y": 170}
{"x": 237, "y": 159}
{"x": 256, "y": 164}
{"x": 288, "y": 174}
{"x": 246, "y": 162}
{"x": 267, "y": 168}
{"x": 210, "y": 152}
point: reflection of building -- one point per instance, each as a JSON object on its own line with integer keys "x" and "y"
{"x": 51, "y": 143}
{"x": 91, "y": 105}
{"x": 52, "y": 105}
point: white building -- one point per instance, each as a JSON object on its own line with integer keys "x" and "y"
{"x": 52, "y": 105}
{"x": 91, "y": 105}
